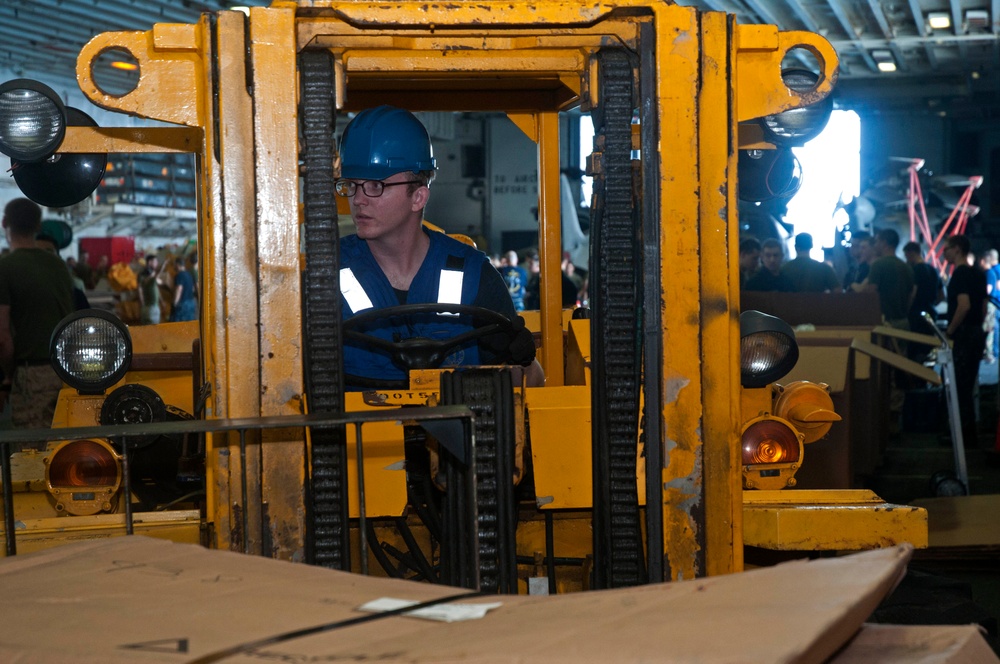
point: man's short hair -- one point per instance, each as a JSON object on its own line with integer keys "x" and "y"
{"x": 889, "y": 236}
{"x": 772, "y": 243}
{"x": 749, "y": 245}
{"x": 23, "y": 217}
{"x": 858, "y": 236}
{"x": 961, "y": 242}
{"x": 803, "y": 242}
{"x": 420, "y": 179}
{"x": 913, "y": 248}
{"x": 150, "y": 257}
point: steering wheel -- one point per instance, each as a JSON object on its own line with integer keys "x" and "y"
{"x": 423, "y": 352}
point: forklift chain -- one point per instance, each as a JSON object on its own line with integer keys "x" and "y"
{"x": 329, "y": 536}
{"x": 615, "y": 291}
{"x": 489, "y": 394}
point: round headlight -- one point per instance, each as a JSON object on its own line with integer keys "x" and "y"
{"x": 796, "y": 126}
{"x": 32, "y": 120}
{"x": 63, "y": 179}
{"x": 91, "y": 350}
{"x": 768, "y": 349}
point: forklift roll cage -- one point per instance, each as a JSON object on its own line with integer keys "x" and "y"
{"x": 255, "y": 97}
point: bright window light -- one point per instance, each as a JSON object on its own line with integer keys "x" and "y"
{"x": 887, "y": 66}
{"x": 831, "y": 172}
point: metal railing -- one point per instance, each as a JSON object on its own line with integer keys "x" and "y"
{"x": 452, "y": 426}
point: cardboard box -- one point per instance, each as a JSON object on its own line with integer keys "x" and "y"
{"x": 136, "y": 599}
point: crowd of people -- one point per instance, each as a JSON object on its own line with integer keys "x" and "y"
{"x": 908, "y": 288}
{"x": 524, "y": 285}
{"x": 38, "y": 289}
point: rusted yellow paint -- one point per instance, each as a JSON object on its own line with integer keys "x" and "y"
{"x": 229, "y": 246}
{"x": 272, "y": 49}
{"x": 829, "y": 520}
{"x": 719, "y": 300}
{"x": 678, "y": 89}
{"x": 44, "y": 533}
{"x": 527, "y": 59}
{"x": 171, "y": 64}
{"x": 757, "y": 81}
{"x": 132, "y": 139}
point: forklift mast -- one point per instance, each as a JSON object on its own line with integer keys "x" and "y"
{"x": 674, "y": 92}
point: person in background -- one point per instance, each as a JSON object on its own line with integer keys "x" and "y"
{"x": 194, "y": 270}
{"x": 149, "y": 291}
{"x": 749, "y": 258}
{"x": 860, "y": 255}
{"x": 516, "y": 279}
{"x": 927, "y": 294}
{"x": 806, "y": 274}
{"x": 769, "y": 276}
{"x": 36, "y": 292}
{"x": 966, "y": 310}
{"x": 992, "y": 310}
{"x": 386, "y": 171}
{"x": 891, "y": 278}
{"x": 103, "y": 265}
{"x": 84, "y": 271}
{"x": 49, "y": 244}
{"x": 184, "y": 303}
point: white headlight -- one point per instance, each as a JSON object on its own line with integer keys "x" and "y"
{"x": 91, "y": 350}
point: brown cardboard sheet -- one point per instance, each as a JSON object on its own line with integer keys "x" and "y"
{"x": 137, "y": 599}
{"x": 962, "y": 521}
{"x": 917, "y": 644}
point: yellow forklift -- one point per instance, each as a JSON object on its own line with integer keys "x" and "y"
{"x": 661, "y": 415}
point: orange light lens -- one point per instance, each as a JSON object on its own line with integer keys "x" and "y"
{"x": 83, "y": 463}
{"x": 769, "y": 441}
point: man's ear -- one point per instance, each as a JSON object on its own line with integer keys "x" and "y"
{"x": 419, "y": 198}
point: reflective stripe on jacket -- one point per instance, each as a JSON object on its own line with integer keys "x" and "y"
{"x": 449, "y": 274}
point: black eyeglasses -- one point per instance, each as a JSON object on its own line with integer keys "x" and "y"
{"x": 371, "y": 188}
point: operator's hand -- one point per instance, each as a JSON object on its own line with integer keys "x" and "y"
{"x": 522, "y": 343}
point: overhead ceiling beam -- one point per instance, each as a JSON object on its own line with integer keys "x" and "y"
{"x": 995, "y": 29}
{"x": 918, "y": 21}
{"x": 956, "y": 25}
{"x": 876, "y": 8}
{"x": 117, "y": 15}
{"x": 845, "y": 23}
{"x": 803, "y": 15}
{"x": 879, "y": 15}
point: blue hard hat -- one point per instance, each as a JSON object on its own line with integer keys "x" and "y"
{"x": 383, "y": 141}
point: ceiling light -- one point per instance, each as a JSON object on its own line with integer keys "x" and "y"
{"x": 976, "y": 19}
{"x": 884, "y": 60}
{"x": 939, "y": 20}
{"x": 127, "y": 66}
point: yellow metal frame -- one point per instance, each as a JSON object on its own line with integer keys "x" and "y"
{"x": 829, "y": 520}
{"x": 530, "y": 60}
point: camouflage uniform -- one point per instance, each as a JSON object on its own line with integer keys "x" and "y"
{"x": 33, "y": 396}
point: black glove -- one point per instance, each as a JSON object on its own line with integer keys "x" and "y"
{"x": 522, "y": 343}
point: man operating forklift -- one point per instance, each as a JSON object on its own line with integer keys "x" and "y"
{"x": 400, "y": 281}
